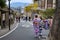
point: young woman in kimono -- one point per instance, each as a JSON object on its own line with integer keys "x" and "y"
{"x": 36, "y": 25}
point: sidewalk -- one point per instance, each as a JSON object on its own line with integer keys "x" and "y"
{"x": 45, "y": 34}
{"x": 6, "y": 30}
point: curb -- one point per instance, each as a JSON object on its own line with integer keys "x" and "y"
{"x": 10, "y": 31}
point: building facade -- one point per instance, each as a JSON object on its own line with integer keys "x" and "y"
{"x": 44, "y": 4}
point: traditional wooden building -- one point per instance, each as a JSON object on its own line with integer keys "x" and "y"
{"x": 4, "y": 16}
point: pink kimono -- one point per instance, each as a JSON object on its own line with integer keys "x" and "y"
{"x": 36, "y": 22}
{"x": 50, "y": 22}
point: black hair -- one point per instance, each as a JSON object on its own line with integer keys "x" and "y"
{"x": 36, "y": 16}
{"x": 50, "y": 17}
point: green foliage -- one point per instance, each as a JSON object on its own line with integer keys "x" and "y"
{"x": 49, "y": 12}
{"x": 2, "y": 3}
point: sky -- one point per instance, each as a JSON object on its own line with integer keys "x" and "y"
{"x": 23, "y": 1}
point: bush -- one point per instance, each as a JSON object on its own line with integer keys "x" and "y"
{"x": 48, "y": 12}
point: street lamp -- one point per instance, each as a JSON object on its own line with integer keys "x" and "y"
{"x": 9, "y": 14}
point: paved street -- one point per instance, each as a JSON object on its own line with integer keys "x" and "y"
{"x": 24, "y": 31}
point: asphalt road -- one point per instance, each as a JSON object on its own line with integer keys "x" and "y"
{"x": 24, "y": 31}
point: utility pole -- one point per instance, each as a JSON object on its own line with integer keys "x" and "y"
{"x": 9, "y": 14}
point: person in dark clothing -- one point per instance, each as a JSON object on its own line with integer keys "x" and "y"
{"x": 3, "y": 23}
{"x": 29, "y": 18}
{"x": 19, "y": 19}
{"x": 26, "y": 18}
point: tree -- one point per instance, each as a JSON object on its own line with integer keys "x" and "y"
{"x": 48, "y": 12}
{"x": 29, "y": 7}
{"x": 2, "y": 3}
{"x": 55, "y": 31}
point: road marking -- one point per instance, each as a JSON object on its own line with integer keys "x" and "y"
{"x": 10, "y": 31}
{"x": 25, "y": 25}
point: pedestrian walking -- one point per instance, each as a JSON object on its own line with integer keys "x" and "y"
{"x": 41, "y": 27}
{"x": 3, "y": 23}
{"x": 50, "y": 21}
{"x": 36, "y": 21}
{"x": 26, "y": 18}
{"x": 46, "y": 26}
{"x": 29, "y": 18}
{"x": 19, "y": 19}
